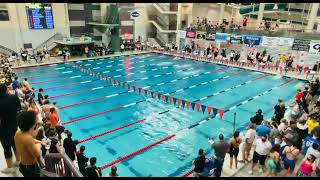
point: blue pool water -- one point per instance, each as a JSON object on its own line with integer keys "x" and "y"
{"x": 163, "y": 74}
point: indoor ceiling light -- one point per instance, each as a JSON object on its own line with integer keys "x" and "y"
{"x": 275, "y": 6}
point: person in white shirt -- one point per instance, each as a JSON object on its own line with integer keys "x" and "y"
{"x": 249, "y": 138}
{"x": 263, "y": 147}
{"x": 314, "y": 150}
{"x": 122, "y": 48}
{"x": 283, "y": 125}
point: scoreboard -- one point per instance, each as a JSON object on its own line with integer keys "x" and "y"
{"x": 39, "y": 15}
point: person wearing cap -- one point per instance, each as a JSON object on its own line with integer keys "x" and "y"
{"x": 113, "y": 172}
{"x": 258, "y": 118}
{"x": 221, "y": 148}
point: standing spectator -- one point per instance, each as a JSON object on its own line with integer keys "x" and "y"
{"x": 92, "y": 170}
{"x": 263, "y": 129}
{"x": 54, "y": 119}
{"x": 234, "y": 148}
{"x": 299, "y": 95}
{"x": 86, "y": 51}
{"x": 9, "y": 106}
{"x": 70, "y": 147}
{"x": 308, "y": 141}
{"x": 291, "y": 153}
{"x": 263, "y": 147}
{"x": 258, "y": 118}
{"x": 273, "y": 163}
{"x": 279, "y": 111}
{"x": 40, "y": 97}
{"x": 274, "y": 133}
{"x": 249, "y": 138}
{"x": 312, "y": 123}
{"x": 26, "y": 84}
{"x": 220, "y": 149}
{"x": 28, "y": 148}
{"x": 307, "y": 166}
{"x": 54, "y": 146}
{"x": 15, "y": 83}
{"x": 113, "y": 172}
{"x": 314, "y": 150}
{"x": 122, "y": 48}
{"x": 82, "y": 160}
{"x": 244, "y": 22}
{"x": 302, "y": 129}
{"x": 199, "y": 163}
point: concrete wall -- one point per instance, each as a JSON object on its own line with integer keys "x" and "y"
{"x": 141, "y": 24}
{"x": 15, "y": 33}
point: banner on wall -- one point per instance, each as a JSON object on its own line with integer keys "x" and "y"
{"x": 235, "y": 39}
{"x": 191, "y": 34}
{"x": 270, "y": 41}
{"x": 181, "y": 34}
{"x": 251, "y": 40}
{"x": 285, "y": 41}
{"x": 222, "y": 37}
{"x": 314, "y": 47}
{"x": 201, "y": 35}
{"x": 210, "y": 36}
{"x": 301, "y": 45}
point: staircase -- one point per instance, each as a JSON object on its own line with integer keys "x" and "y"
{"x": 6, "y": 51}
{"x": 49, "y": 43}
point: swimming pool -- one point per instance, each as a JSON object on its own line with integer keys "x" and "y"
{"x": 146, "y": 137}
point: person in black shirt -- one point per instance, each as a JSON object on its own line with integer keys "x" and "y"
{"x": 9, "y": 106}
{"x": 82, "y": 160}
{"x": 92, "y": 170}
{"x": 258, "y": 118}
{"x": 199, "y": 163}
{"x": 54, "y": 146}
{"x": 279, "y": 111}
{"x": 40, "y": 97}
{"x": 69, "y": 147}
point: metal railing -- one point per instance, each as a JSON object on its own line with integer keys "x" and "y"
{"x": 6, "y": 51}
{"x": 59, "y": 165}
{"x": 168, "y": 6}
{"x": 49, "y": 42}
{"x": 162, "y": 23}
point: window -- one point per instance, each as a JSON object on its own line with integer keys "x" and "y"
{"x": 4, "y": 15}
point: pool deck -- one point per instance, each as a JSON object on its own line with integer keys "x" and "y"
{"x": 241, "y": 171}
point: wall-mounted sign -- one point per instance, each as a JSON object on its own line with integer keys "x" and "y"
{"x": 191, "y": 34}
{"x": 301, "y": 45}
{"x": 314, "y": 47}
{"x": 134, "y": 15}
{"x": 251, "y": 40}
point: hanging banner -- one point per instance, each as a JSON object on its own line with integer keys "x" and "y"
{"x": 270, "y": 41}
{"x": 210, "y": 36}
{"x": 314, "y": 47}
{"x": 222, "y": 37}
{"x": 251, "y": 40}
{"x": 201, "y": 35}
{"x": 191, "y": 34}
{"x": 285, "y": 41}
{"x": 181, "y": 34}
{"x": 236, "y": 39}
{"x": 301, "y": 45}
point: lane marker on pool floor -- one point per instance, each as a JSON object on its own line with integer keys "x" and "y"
{"x": 103, "y": 112}
{"x": 124, "y": 126}
{"x": 70, "y": 84}
{"x": 123, "y": 158}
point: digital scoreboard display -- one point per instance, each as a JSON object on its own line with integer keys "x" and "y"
{"x": 39, "y": 15}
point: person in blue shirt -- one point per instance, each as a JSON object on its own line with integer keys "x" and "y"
{"x": 309, "y": 140}
{"x": 263, "y": 129}
{"x": 15, "y": 83}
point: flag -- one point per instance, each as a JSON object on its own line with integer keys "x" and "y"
{"x": 192, "y": 105}
{"x": 166, "y": 98}
{"x": 159, "y": 96}
{"x": 131, "y": 87}
{"x": 198, "y": 107}
{"x": 179, "y": 102}
{"x": 174, "y": 101}
{"x": 137, "y": 89}
{"x": 215, "y": 111}
{"x": 162, "y": 97}
{"x": 142, "y": 91}
{"x": 209, "y": 109}
{"x": 155, "y": 95}
{"x": 183, "y": 103}
{"x": 203, "y": 108}
{"x": 149, "y": 93}
{"x": 221, "y": 112}
{"x": 188, "y": 104}
{"x": 126, "y": 85}
{"x": 171, "y": 99}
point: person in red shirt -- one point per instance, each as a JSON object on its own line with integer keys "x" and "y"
{"x": 299, "y": 95}
{"x": 244, "y": 22}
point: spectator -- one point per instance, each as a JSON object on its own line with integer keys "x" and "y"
{"x": 220, "y": 150}
{"x": 263, "y": 147}
{"x": 279, "y": 111}
{"x": 9, "y": 106}
{"x": 92, "y": 170}
{"x": 15, "y": 83}
{"x": 113, "y": 172}
{"x": 291, "y": 153}
{"x": 273, "y": 164}
{"x": 308, "y": 141}
{"x": 69, "y": 147}
{"x": 274, "y": 133}
{"x": 82, "y": 159}
{"x": 122, "y": 48}
{"x": 299, "y": 95}
{"x": 307, "y": 166}
{"x": 41, "y": 137}
{"x": 249, "y": 138}
{"x": 258, "y": 118}
{"x": 263, "y": 129}
{"x": 312, "y": 122}
{"x": 314, "y": 150}
{"x": 234, "y": 148}
{"x": 302, "y": 132}
{"x": 40, "y": 97}
{"x": 54, "y": 119}
{"x": 54, "y": 146}
{"x": 199, "y": 164}
{"x": 28, "y": 148}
